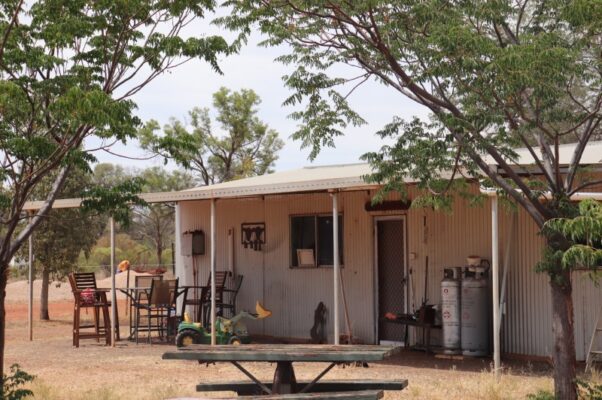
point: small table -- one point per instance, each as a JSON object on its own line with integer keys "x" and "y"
{"x": 284, "y": 356}
{"x": 417, "y": 324}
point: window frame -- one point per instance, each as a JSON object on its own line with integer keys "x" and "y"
{"x": 317, "y": 245}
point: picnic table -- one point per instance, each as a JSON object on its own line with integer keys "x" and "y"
{"x": 285, "y": 356}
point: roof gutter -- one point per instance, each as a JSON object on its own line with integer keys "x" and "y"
{"x": 578, "y": 196}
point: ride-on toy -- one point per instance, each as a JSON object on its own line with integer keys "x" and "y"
{"x": 227, "y": 331}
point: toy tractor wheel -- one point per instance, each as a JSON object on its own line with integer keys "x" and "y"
{"x": 235, "y": 341}
{"x": 187, "y": 337}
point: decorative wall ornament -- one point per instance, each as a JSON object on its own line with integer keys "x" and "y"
{"x": 253, "y": 235}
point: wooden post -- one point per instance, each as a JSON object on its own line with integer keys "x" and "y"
{"x": 336, "y": 266}
{"x": 113, "y": 293}
{"x": 213, "y": 261}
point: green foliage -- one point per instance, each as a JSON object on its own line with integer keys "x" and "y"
{"x": 115, "y": 201}
{"x": 541, "y": 395}
{"x": 589, "y": 390}
{"x": 583, "y": 236}
{"x": 494, "y": 75}
{"x": 12, "y": 383}
{"x": 248, "y": 146}
{"x": 64, "y": 233}
{"x": 68, "y": 71}
{"x": 154, "y": 223}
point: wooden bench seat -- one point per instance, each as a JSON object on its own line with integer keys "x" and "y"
{"x": 245, "y": 388}
{"x": 353, "y": 395}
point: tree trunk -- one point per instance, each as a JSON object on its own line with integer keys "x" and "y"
{"x": 44, "y": 295}
{"x": 564, "y": 338}
{"x": 3, "y": 280}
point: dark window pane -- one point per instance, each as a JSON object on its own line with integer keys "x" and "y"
{"x": 325, "y": 248}
{"x": 303, "y": 235}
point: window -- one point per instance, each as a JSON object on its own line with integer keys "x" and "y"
{"x": 314, "y": 232}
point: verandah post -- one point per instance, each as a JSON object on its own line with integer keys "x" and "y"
{"x": 336, "y": 266}
{"x": 213, "y": 260}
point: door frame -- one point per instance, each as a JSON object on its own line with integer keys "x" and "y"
{"x": 403, "y": 218}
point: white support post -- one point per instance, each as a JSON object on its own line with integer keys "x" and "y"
{"x": 506, "y": 260}
{"x": 178, "y": 267}
{"x": 213, "y": 262}
{"x": 30, "y": 294}
{"x": 113, "y": 293}
{"x": 336, "y": 266}
{"x": 178, "y": 244}
{"x": 495, "y": 283}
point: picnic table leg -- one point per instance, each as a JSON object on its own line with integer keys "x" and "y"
{"x": 284, "y": 378}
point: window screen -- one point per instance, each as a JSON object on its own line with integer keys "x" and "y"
{"x": 325, "y": 245}
{"x": 305, "y": 230}
{"x": 303, "y": 235}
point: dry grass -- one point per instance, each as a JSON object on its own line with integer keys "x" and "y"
{"x": 137, "y": 371}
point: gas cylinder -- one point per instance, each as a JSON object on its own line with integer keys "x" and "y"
{"x": 474, "y": 325}
{"x": 450, "y": 310}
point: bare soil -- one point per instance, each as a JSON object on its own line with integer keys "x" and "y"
{"x": 131, "y": 371}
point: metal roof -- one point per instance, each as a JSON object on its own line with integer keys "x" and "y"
{"x": 591, "y": 155}
{"x": 308, "y": 179}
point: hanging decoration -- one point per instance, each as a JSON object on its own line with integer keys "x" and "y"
{"x": 253, "y": 235}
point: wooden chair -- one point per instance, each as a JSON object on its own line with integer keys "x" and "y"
{"x": 140, "y": 281}
{"x": 205, "y": 296}
{"x": 161, "y": 303}
{"x": 88, "y": 296}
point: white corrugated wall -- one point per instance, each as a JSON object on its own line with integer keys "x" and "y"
{"x": 447, "y": 238}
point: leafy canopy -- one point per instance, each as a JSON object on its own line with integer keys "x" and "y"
{"x": 585, "y": 234}
{"x": 495, "y": 75}
{"x": 246, "y": 148}
{"x": 64, "y": 233}
{"x": 68, "y": 70}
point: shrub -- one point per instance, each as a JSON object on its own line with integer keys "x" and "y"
{"x": 541, "y": 395}
{"x": 11, "y": 384}
{"x": 589, "y": 390}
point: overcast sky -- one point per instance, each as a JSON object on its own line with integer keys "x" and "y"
{"x": 192, "y": 85}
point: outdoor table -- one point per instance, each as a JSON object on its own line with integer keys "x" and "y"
{"x": 284, "y": 356}
{"x": 426, "y": 330}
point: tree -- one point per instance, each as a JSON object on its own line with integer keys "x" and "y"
{"x": 248, "y": 147}
{"x": 68, "y": 71}
{"x": 63, "y": 235}
{"x": 155, "y": 222}
{"x": 494, "y": 75}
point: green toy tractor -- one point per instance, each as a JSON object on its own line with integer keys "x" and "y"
{"x": 227, "y": 331}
